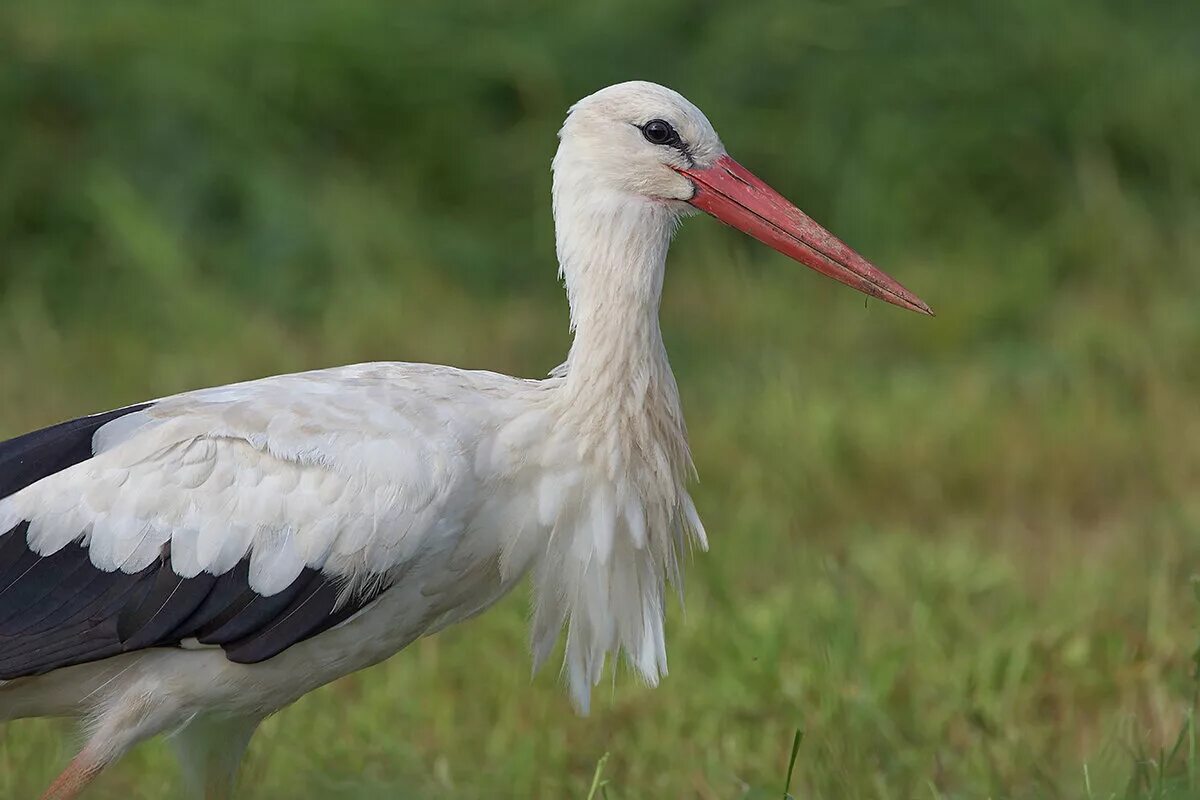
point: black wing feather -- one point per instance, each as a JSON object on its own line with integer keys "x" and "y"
{"x": 257, "y": 614}
{"x": 169, "y": 602}
{"x": 17, "y": 561}
{"x": 311, "y": 613}
{"x": 76, "y": 594}
{"x": 60, "y": 610}
{"x": 36, "y": 586}
{"x": 228, "y": 596}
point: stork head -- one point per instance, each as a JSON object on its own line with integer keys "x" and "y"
{"x": 641, "y": 145}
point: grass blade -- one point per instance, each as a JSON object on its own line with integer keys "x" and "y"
{"x": 597, "y": 782}
{"x": 787, "y": 786}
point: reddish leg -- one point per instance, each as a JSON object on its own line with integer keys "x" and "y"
{"x": 74, "y": 779}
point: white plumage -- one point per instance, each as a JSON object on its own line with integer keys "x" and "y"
{"x": 420, "y": 493}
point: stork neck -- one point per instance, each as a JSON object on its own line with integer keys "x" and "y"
{"x": 612, "y": 250}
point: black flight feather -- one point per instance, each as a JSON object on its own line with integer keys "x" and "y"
{"x": 59, "y": 610}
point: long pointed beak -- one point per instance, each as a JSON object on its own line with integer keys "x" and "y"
{"x": 734, "y": 195}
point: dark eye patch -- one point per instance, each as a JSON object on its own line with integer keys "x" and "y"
{"x": 661, "y": 132}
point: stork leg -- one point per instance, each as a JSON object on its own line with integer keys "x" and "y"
{"x": 74, "y": 779}
{"x": 210, "y": 749}
{"x": 117, "y": 724}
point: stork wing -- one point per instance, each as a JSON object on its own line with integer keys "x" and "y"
{"x": 251, "y": 517}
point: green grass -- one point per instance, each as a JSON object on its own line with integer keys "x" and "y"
{"x": 956, "y": 553}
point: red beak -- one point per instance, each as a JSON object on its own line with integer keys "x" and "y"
{"x": 734, "y": 195}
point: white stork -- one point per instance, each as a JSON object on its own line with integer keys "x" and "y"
{"x": 193, "y": 564}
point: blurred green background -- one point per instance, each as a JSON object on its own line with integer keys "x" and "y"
{"x": 955, "y": 552}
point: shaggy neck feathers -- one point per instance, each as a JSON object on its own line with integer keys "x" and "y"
{"x": 618, "y": 408}
{"x": 618, "y": 389}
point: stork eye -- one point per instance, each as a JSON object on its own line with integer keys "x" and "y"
{"x": 657, "y": 131}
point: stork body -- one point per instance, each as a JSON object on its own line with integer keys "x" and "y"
{"x": 193, "y": 564}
